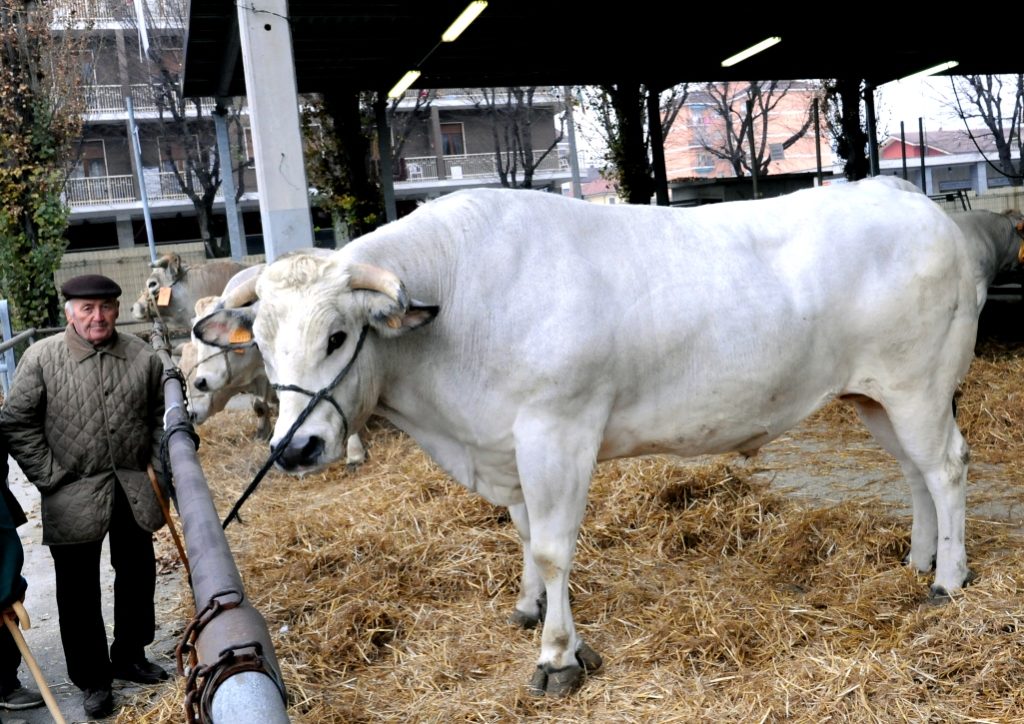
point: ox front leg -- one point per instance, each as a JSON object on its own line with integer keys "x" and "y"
{"x": 555, "y": 470}
{"x": 264, "y": 427}
{"x": 355, "y": 452}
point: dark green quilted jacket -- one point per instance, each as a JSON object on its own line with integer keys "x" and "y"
{"x": 81, "y": 419}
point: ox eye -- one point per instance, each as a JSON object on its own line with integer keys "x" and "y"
{"x": 335, "y": 340}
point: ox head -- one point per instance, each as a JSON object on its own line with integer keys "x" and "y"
{"x": 217, "y": 368}
{"x": 167, "y": 270}
{"x": 320, "y": 325}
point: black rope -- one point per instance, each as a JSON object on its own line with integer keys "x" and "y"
{"x": 315, "y": 397}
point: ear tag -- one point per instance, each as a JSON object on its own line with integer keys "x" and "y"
{"x": 240, "y": 336}
{"x": 1020, "y": 253}
{"x": 163, "y": 297}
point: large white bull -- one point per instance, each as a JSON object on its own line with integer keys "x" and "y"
{"x": 220, "y": 373}
{"x": 564, "y": 333}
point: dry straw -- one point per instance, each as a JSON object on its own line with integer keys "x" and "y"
{"x": 713, "y": 593}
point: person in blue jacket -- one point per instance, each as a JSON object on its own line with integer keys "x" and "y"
{"x": 12, "y": 588}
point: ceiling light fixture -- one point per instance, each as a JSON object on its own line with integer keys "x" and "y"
{"x": 462, "y": 22}
{"x": 400, "y": 87}
{"x": 752, "y": 50}
{"x": 932, "y": 71}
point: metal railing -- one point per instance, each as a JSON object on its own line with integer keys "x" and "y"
{"x": 110, "y": 99}
{"x": 471, "y": 165}
{"x": 101, "y": 190}
{"x": 164, "y": 13}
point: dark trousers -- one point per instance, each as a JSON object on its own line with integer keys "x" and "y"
{"x": 10, "y": 660}
{"x": 79, "y": 606}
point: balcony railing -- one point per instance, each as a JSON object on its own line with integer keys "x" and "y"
{"x": 110, "y": 99}
{"x": 471, "y": 166}
{"x": 104, "y": 190}
{"x": 163, "y": 13}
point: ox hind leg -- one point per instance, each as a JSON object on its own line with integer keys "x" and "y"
{"x": 531, "y": 604}
{"x": 933, "y": 455}
{"x": 555, "y": 466}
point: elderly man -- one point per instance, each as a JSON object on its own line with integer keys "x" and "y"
{"x": 83, "y": 420}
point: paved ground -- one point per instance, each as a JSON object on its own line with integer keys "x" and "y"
{"x": 43, "y": 637}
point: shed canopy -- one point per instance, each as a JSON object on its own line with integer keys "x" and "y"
{"x": 370, "y": 45}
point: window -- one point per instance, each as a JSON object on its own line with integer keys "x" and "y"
{"x": 705, "y": 162}
{"x": 453, "y": 142}
{"x": 777, "y": 151}
{"x": 93, "y": 161}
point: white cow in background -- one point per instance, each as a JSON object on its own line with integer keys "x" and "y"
{"x": 994, "y": 244}
{"x": 229, "y": 372}
{"x": 564, "y": 333}
{"x": 185, "y": 284}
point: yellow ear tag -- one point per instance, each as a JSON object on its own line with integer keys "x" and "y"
{"x": 240, "y": 336}
{"x": 163, "y": 297}
{"x": 1020, "y": 253}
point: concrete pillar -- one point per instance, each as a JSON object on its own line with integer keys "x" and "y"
{"x": 125, "y": 233}
{"x": 981, "y": 171}
{"x": 271, "y": 89}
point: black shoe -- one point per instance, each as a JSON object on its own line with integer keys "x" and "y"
{"x": 141, "y": 672}
{"x": 21, "y": 698}
{"x": 98, "y": 703}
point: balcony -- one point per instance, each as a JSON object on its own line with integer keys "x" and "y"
{"x": 109, "y": 99}
{"x": 472, "y": 166}
{"x": 109, "y": 13}
{"x": 110, "y": 190}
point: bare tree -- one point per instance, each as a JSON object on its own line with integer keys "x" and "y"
{"x": 185, "y": 129}
{"x": 740, "y": 109}
{"x": 998, "y": 101}
{"x": 621, "y": 114}
{"x": 408, "y": 121}
{"x": 512, "y": 114}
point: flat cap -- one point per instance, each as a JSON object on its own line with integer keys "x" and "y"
{"x": 90, "y": 286}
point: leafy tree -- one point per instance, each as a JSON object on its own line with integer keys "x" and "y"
{"x": 337, "y": 129}
{"x": 740, "y": 109}
{"x": 41, "y": 106}
{"x": 512, "y": 113}
{"x": 998, "y": 101}
{"x": 621, "y": 115}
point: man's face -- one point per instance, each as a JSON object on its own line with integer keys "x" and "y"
{"x": 93, "y": 319}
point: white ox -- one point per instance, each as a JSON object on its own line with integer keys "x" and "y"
{"x": 567, "y": 333}
{"x": 994, "y": 242}
{"x": 186, "y": 285}
{"x": 222, "y": 373}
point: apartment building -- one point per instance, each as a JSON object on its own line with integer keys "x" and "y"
{"x": 448, "y": 142}
{"x": 700, "y": 127}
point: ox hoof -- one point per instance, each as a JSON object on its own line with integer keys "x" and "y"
{"x": 938, "y": 595}
{"x": 523, "y": 620}
{"x": 908, "y": 560}
{"x": 562, "y": 682}
{"x": 556, "y": 682}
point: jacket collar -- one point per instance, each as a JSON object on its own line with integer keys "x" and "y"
{"x": 82, "y": 349}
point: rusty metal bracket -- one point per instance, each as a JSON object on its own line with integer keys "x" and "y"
{"x": 199, "y": 696}
{"x": 213, "y": 607}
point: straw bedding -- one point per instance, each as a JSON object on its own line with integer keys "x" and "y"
{"x": 712, "y": 592}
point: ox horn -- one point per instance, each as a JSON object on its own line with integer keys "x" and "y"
{"x": 375, "y": 279}
{"x": 242, "y": 295}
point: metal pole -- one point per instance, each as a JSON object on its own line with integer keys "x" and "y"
{"x": 137, "y": 149}
{"x": 241, "y": 679}
{"x": 920, "y": 150}
{"x": 227, "y": 183}
{"x": 903, "y": 149}
{"x": 574, "y": 161}
{"x": 387, "y": 179}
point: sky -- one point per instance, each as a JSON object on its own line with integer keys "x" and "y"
{"x": 912, "y": 99}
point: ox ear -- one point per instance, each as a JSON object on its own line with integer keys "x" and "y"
{"x": 227, "y": 328}
{"x": 399, "y": 321}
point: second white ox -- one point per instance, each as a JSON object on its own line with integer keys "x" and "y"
{"x": 565, "y": 333}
